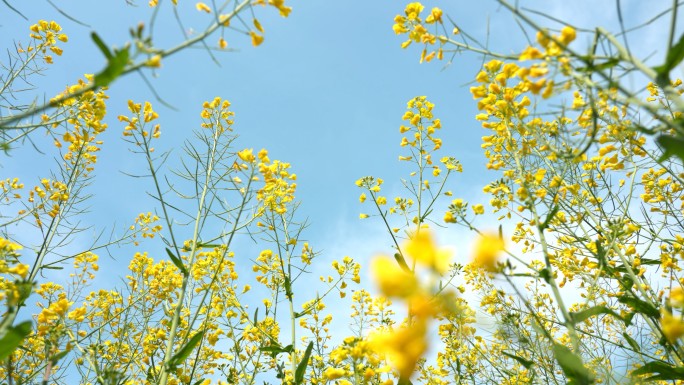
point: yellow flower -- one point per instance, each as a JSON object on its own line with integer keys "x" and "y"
{"x": 154, "y": 61}
{"x": 568, "y": 34}
{"x": 677, "y": 297}
{"x": 256, "y": 39}
{"x": 203, "y": 7}
{"x": 487, "y": 252}
{"x": 258, "y": 26}
{"x": 404, "y": 346}
{"x": 478, "y": 209}
{"x": 422, "y": 248}
{"x": 392, "y": 280}
{"x": 530, "y": 53}
{"x": 246, "y": 155}
{"x": 333, "y": 373}
{"x": 60, "y": 307}
{"x": 77, "y": 314}
{"x": 413, "y": 10}
{"x": 363, "y": 216}
{"x": 435, "y": 16}
{"x": 20, "y": 269}
{"x": 673, "y": 326}
{"x": 399, "y": 27}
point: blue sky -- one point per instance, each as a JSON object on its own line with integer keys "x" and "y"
{"x": 325, "y": 92}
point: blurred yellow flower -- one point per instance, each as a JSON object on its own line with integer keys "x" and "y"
{"x": 422, "y": 248}
{"x": 404, "y": 346}
{"x": 677, "y": 297}
{"x": 673, "y": 326}
{"x": 568, "y": 34}
{"x": 392, "y": 280}
{"x": 487, "y": 252}
{"x": 333, "y": 373}
{"x": 154, "y": 61}
{"x": 20, "y": 269}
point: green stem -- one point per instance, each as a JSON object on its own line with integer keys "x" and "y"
{"x": 164, "y": 376}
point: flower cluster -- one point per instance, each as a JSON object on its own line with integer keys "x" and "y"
{"x": 46, "y": 35}
{"x": 279, "y": 187}
{"x": 146, "y": 225}
{"x": 85, "y": 110}
{"x": 417, "y": 29}
{"x": 137, "y": 124}
{"x": 418, "y": 137}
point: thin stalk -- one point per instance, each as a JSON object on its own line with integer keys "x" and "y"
{"x": 164, "y": 377}
{"x": 399, "y": 255}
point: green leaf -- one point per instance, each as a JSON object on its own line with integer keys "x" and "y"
{"x": 13, "y": 337}
{"x": 5, "y": 147}
{"x": 545, "y": 274}
{"x": 646, "y": 261}
{"x": 626, "y": 282}
{"x": 524, "y": 362}
{"x": 665, "y": 371}
{"x": 549, "y": 217}
{"x": 101, "y": 45}
{"x": 183, "y": 353}
{"x": 301, "y": 368}
{"x": 635, "y": 346}
{"x": 55, "y": 359}
{"x": 601, "y": 256}
{"x": 580, "y": 316}
{"x": 675, "y": 54}
{"x": 203, "y": 245}
{"x": 628, "y": 318}
{"x": 288, "y": 287}
{"x": 276, "y": 349}
{"x": 572, "y": 365}
{"x": 115, "y": 66}
{"x": 111, "y": 376}
{"x": 610, "y": 63}
{"x": 177, "y": 261}
{"x": 640, "y": 306}
{"x": 671, "y": 146}
{"x": 47, "y": 267}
